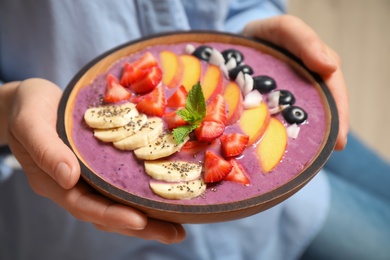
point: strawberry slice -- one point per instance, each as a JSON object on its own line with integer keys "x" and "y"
{"x": 237, "y": 173}
{"x": 209, "y": 131}
{"x": 194, "y": 147}
{"x": 153, "y": 103}
{"x": 178, "y": 98}
{"x": 233, "y": 144}
{"x": 216, "y": 168}
{"x": 149, "y": 82}
{"x": 115, "y": 92}
{"x": 146, "y": 61}
{"x": 131, "y": 74}
{"x": 173, "y": 120}
{"x": 216, "y": 110}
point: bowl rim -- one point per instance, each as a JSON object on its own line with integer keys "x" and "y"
{"x": 293, "y": 185}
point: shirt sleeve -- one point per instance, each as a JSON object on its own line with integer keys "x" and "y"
{"x": 241, "y": 12}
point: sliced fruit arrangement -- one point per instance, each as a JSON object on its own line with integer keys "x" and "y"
{"x": 180, "y": 104}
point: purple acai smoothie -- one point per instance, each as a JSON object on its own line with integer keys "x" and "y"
{"x": 123, "y": 170}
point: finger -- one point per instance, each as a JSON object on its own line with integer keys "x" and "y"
{"x": 295, "y": 36}
{"x": 33, "y": 124}
{"x": 161, "y": 231}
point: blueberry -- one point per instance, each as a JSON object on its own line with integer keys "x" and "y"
{"x": 286, "y": 98}
{"x": 232, "y": 53}
{"x": 203, "y": 52}
{"x": 294, "y": 115}
{"x": 264, "y": 84}
{"x": 244, "y": 68}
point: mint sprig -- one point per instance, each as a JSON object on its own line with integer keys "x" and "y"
{"x": 193, "y": 113}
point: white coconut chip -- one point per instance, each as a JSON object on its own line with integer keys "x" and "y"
{"x": 293, "y": 131}
{"x": 273, "y": 99}
{"x": 252, "y": 99}
{"x": 240, "y": 80}
{"x": 277, "y": 109}
{"x": 189, "y": 49}
{"x": 216, "y": 58}
{"x": 248, "y": 85}
{"x": 231, "y": 63}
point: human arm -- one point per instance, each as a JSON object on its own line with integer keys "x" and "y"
{"x": 29, "y": 114}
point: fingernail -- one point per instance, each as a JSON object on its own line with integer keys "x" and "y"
{"x": 62, "y": 174}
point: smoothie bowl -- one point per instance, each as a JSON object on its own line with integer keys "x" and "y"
{"x": 198, "y": 127}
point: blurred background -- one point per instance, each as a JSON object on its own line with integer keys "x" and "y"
{"x": 359, "y": 31}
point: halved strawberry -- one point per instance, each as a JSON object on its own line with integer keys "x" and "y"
{"x": 194, "y": 147}
{"x": 131, "y": 74}
{"x": 216, "y": 110}
{"x": 209, "y": 131}
{"x": 146, "y": 84}
{"x": 153, "y": 103}
{"x": 178, "y": 98}
{"x": 173, "y": 120}
{"x": 233, "y": 144}
{"x": 146, "y": 61}
{"x": 115, "y": 92}
{"x": 216, "y": 168}
{"x": 237, "y": 173}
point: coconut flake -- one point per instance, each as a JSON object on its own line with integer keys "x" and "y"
{"x": 248, "y": 85}
{"x": 273, "y": 99}
{"x": 293, "y": 131}
{"x": 252, "y": 99}
{"x": 240, "y": 80}
{"x": 231, "y": 63}
{"x": 216, "y": 58}
{"x": 277, "y": 109}
{"x": 189, "y": 49}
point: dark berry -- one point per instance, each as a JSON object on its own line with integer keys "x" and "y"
{"x": 286, "y": 98}
{"x": 203, "y": 52}
{"x": 244, "y": 68}
{"x": 232, "y": 53}
{"x": 294, "y": 115}
{"x": 264, "y": 84}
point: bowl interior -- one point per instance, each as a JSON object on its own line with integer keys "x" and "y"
{"x": 185, "y": 213}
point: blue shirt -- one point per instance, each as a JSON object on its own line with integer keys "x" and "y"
{"x": 53, "y": 39}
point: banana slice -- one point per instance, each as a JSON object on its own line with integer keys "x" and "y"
{"x": 172, "y": 171}
{"x": 110, "y": 116}
{"x": 162, "y": 147}
{"x": 180, "y": 190}
{"x": 150, "y": 131}
{"x": 119, "y": 133}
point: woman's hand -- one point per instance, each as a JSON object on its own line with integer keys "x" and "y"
{"x": 295, "y": 36}
{"x": 53, "y": 170}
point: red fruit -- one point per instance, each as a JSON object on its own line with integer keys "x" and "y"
{"x": 149, "y": 82}
{"x": 196, "y": 147}
{"x": 146, "y": 61}
{"x": 173, "y": 120}
{"x": 209, "y": 131}
{"x": 153, "y": 103}
{"x": 178, "y": 98}
{"x": 233, "y": 144}
{"x": 131, "y": 74}
{"x": 237, "y": 173}
{"x": 216, "y": 110}
{"x": 115, "y": 92}
{"x": 216, "y": 168}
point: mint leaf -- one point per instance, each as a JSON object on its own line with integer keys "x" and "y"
{"x": 181, "y": 132}
{"x": 193, "y": 113}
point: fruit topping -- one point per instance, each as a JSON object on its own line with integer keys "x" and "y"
{"x": 215, "y": 167}
{"x": 203, "y": 52}
{"x": 233, "y": 54}
{"x": 115, "y": 92}
{"x": 293, "y": 131}
{"x": 286, "y": 97}
{"x": 131, "y": 74}
{"x": 264, "y": 84}
{"x": 146, "y": 61}
{"x": 147, "y": 83}
{"x": 252, "y": 99}
{"x": 173, "y": 171}
{"x": 178, "y": 98}
{"x": 209, "y": 131}
{"x": 178, "y": 190}
{"x": 216, "y": 58}
{"x": 233, "y": 144}
{"x": 216, "y": 110}
{"x": 294, "y": 115}
{"x": 246, "y": 69}
{"x": 153, "y": 103}
{"x": 173, "y": 120}
{"x": 237, "y": 174}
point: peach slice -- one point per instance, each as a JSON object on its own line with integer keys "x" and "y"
{"x": 272, "y": 146}
{"x": 254, "y": 122}
{"x": 192, "y": 70}
{"x": 233, "y": 98}
{"x": 212, "y": 82}
{"x": 172, "y": 68}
